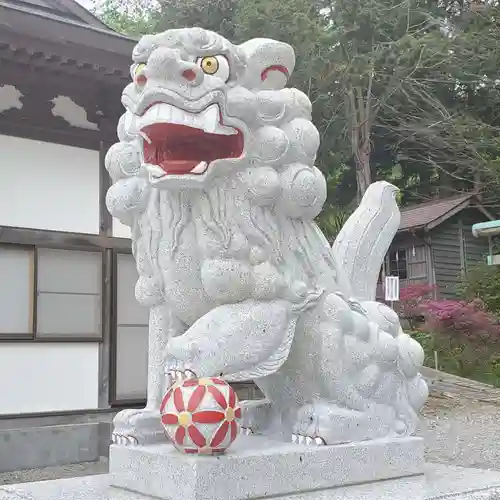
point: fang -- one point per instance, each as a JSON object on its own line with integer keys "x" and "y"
{"x": 200, "y": 168}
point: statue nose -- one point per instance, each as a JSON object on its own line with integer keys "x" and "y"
{"x": 191, "y": 75}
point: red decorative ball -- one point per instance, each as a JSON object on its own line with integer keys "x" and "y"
{"x": 201, "y": 415}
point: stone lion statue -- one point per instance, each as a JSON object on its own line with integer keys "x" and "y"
{"x": 215, "y": 175}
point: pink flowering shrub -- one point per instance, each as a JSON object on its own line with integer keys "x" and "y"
{"x": 461, "y": 319}
{"x": 410, "y": 300}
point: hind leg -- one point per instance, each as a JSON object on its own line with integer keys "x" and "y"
{"x": 344, "y": 409}
{"x": 324, "y": 422}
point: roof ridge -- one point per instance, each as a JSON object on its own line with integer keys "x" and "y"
{"x": 435, "y": 201}
{"x": 425, "y": 214}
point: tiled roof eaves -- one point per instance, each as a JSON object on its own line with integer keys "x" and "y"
{"x": 54, "y": 17}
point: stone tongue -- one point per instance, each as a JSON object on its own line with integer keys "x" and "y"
{"x": 178, "y": 166}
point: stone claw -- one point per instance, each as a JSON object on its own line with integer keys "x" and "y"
{"x": 178, "y": 376}
{"x": 307, "y": 440}
{"x": 137, "y": 427}
{"x": 124, "y": 440}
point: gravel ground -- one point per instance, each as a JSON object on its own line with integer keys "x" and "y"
{"x": 460, "y": 424}
{"x": 47, "y": 473}
{"x": 465, "y": 434}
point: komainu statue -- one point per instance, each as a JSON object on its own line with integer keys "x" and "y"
{"x": 215, "y": 175}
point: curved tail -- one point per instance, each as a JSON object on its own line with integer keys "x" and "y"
{"x": 364, "y": 240}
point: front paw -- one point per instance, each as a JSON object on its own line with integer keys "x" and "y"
{"x": 137, "y": 427}
{"x": 182, "y": 360}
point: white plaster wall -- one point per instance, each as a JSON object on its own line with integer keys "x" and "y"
{"x": 120, "y": 230}
{"x": 43, "y": 377}
{"x": 48, "y": 186}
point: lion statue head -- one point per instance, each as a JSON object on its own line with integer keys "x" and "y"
{"x": 200, "y": 108}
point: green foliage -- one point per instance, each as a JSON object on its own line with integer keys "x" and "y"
{"x": 214, "y": 15}
{"x": 331, "y": 222}
{"x": 132, "y": 17}
{"x": 483, "y": 282}
{"x": 459, "y": 359}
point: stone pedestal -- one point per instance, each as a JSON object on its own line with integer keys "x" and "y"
{"x": 255, "y": 467}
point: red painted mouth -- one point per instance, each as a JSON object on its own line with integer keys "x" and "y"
{"x": 180, "y": 149}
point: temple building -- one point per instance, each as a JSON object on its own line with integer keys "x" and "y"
{"x": 73, "y": 341}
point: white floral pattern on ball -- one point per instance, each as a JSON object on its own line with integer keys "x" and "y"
{"x": 200, "y": 416}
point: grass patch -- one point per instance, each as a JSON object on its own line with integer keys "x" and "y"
{"x": 466, "y": 360}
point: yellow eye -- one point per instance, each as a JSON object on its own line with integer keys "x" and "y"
{"x": 209, "y": 65}
{"x": 138, "y": 73}
{"x": 215, "y": 66}
{"x": 140, "y": 67}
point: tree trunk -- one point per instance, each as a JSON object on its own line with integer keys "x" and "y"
{"x": 363, "y": 168}
{"x": 360, "y": 118}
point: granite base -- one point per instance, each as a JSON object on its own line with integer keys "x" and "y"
{"x": 256, "y": 467}
{"x": 439, "y": 483}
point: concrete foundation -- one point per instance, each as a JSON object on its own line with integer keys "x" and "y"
{"x": 438, "y": 483}
{"x": 29, "y": 442}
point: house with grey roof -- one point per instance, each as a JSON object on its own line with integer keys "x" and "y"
{"x": 434, "y": 244}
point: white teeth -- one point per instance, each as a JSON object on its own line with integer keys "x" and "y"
{"x": 178, "y": 116}
{"x": 200, "y": 168}
{"x": 210, "y": 121}
{"x": 207, "y": 121}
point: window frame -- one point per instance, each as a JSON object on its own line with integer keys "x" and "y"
{"x": 33, "y": 337}
{"x": 390, "y": 261}
{"x": 114, "y": 400}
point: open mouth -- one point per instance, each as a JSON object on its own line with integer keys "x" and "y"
{"x": 177, "y": 142}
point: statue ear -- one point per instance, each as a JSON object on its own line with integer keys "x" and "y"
{"x": 269, "y": 64}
